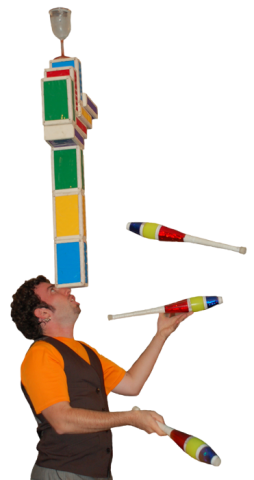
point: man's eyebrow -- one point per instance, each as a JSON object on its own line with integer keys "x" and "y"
{"x": 50, "y": 286}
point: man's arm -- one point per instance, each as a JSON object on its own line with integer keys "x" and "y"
{"x": 135, "y": 378}
{"x": 125, "y": 387}
{"x": 78, "y": 420}
{"x": 65, "y": 419}
{"x": 143, "y": 367}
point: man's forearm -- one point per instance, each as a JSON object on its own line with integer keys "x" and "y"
{"x": 78, "y": 420}
{"x": 142, "y": 368}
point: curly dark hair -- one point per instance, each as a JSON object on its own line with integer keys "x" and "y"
{"x": 25, "y": 301}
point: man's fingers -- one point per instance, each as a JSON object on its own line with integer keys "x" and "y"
{"x": 161, "y": 433}
{"x": 181, "y": 318}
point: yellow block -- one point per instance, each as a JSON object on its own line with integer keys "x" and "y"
{"x": 86, "y": 115}
{"x": 84, "y": 214}
{"x": 67, "y": 215}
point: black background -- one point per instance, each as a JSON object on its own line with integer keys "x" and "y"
{"x": 170, "y": 146}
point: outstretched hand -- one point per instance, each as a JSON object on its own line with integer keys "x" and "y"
{"x": 147, "y": 420}
{"x": 168, "y": 323}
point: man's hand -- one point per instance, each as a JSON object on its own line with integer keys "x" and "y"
{"x": 168, "y": 323}
{"x": 147, "y": 420}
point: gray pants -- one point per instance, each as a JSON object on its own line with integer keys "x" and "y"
{"x": 40, "y": 473}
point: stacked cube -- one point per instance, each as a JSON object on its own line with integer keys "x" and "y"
{"x": 67, "y": 114}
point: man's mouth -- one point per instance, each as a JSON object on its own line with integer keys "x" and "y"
{"x": 72, "y": 299}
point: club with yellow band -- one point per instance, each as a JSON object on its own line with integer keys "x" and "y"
{"x": 194, "y": 447}
{"x": 198, "y": 303}
{"x": 162, "y": 233}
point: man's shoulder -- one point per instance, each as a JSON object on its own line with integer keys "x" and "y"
{"x": 39, "y": 349}
{"x": 42, "y": 358}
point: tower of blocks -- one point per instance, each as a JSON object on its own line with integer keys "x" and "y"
{"x": 67, "y": 114}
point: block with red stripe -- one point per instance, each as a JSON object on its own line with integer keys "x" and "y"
{"x": 74, "y": 62}
{"x": 64, "y": 72}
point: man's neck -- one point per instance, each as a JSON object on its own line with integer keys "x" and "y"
{"x": 58, "y": 333}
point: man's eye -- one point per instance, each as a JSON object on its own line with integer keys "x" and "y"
{"x": 52, "y": 290}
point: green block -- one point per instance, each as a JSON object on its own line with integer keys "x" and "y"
{"x": 56, "y": 100}
{"x": 65, "y": 169}
{"x": 82, "y": 170}
{"x": 73, "y": 101}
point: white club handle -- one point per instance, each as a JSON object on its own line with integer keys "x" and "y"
{"x": 210, "y": 243}
{"x": 137, "y": 313}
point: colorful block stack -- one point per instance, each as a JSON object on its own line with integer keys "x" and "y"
{"x": 67, "y": 114}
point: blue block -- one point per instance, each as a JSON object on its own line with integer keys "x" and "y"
{"x": 86, "y": 267}
{"x": 66, "y": 63}
{"x": 68, "y": 263}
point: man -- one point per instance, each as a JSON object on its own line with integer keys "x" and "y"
{"x": 66, "y": 383}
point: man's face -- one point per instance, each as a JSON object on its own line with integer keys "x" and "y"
{"x": 65, "y": 305}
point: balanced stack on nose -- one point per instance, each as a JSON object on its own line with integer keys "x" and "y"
{"x": 67, "y": 114}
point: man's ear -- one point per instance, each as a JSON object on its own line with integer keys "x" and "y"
{"x": 42, "y": 313}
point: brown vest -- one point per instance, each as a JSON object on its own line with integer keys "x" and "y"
{"x": 84, "y": 454}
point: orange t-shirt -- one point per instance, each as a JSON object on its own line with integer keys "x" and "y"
{"x": 43, "y": 375}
